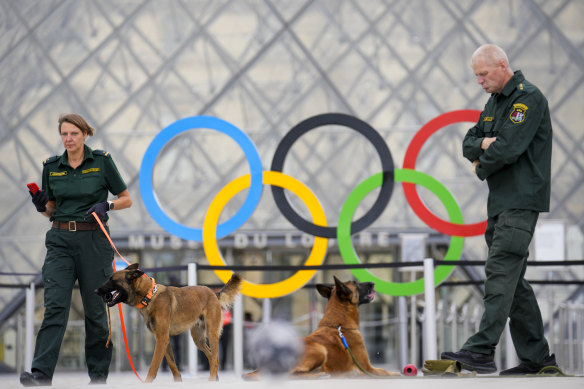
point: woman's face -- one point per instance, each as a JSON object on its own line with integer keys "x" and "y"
{"x": 72, "y": 137}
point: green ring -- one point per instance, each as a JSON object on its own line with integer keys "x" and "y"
{"x": 348, "y": 251}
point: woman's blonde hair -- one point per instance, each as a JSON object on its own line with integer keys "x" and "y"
{"x": 78, "y": 121}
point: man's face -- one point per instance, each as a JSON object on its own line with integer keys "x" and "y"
{"x": 490, "y": 76}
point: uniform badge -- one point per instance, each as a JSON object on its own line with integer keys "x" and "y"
{"x": 518, "y": 114}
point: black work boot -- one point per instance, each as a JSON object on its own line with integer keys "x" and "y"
{"x": 481, "y": 363}
{"x": 98, "y": 381}
{"x": 524, "y": 369}
{"x": 36, "y": 378}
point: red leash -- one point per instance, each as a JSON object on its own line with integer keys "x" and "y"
{"x": 119, "y": 305}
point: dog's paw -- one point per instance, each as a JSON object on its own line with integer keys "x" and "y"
{"x": 251, "y": 376}
{"x": 309, "y": 376}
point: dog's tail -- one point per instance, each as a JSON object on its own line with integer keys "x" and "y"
{"x": 229, "y": 291}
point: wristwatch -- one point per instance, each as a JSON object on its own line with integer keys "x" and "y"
{"x": 111, "y": 205}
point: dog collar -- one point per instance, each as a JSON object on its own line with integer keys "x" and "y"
{"x": 339, "y": 327}
{"x": 148, "y": 297}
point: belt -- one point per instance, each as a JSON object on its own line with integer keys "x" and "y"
{"x": 76, "y": 226}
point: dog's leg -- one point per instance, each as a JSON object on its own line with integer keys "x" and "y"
{"x": 213, "y": 356}
{"x": 360, "y": 353}
{"x": 169, "y": 355}
{"x": 214, "y": 323}
{"x": 162, "y": 338}
{"x": 383, "y": 372}
{"x": 199, "y": 335}
{"x": 366, "y": 365}
{"x": 314, "y": 357}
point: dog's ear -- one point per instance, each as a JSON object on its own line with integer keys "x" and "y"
{"x": 133, "y": 266}
{"x": 324, "y": 290}
{"x": 134, "y": 272}
{"x": 343, "y": 292}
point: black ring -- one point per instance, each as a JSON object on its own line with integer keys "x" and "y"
{"x": 355, "y": 124}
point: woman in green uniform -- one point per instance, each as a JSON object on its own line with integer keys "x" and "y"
{"x": 74, "y": 185}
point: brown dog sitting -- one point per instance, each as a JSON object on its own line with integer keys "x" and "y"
{"x": 168, "y": 310}
{"x": 324, "y": 351}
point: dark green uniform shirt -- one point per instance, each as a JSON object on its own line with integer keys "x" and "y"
{"x": 517, "y": 166}
{"x": 76, "y": 190}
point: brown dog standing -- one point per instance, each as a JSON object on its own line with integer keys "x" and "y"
{"x": 168, "y": 310}
{"x": 324, "y": 352}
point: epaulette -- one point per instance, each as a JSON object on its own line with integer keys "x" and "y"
{"x": 50, "y": 159}
{"x": 102, "y": 153}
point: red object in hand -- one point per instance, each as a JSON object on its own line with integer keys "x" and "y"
{"x": 32, "y": 187}
{"x": 410, "y": 370}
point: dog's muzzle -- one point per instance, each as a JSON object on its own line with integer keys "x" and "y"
{"x": 109, "y": 297}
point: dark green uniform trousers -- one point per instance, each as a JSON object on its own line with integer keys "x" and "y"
{"x": 85, "y": 256}
{"x": 507, "y": 293}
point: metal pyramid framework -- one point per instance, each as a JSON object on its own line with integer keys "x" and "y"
{"x": 134, "y": 67}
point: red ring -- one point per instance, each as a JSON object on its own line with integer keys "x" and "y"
{"x": 410, "y": 191}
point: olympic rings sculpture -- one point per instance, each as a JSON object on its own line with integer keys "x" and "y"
{"x": 408, "y": 176}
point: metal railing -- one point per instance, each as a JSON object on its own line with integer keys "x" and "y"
{"x": 444, "y": 326}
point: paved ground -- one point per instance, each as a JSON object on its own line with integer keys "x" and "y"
{"x": 229, "y": 381}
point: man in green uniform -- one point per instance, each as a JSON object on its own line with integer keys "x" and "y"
{"x": 510, "y": 147}
{"x": 76, "y": 184}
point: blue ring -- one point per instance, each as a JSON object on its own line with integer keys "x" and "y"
{"x": 147, "y": 170}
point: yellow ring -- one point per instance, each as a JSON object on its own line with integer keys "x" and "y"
{"x": 211, "y": 248}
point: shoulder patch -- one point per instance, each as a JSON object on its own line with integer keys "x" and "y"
{"x": 102, "y": 153}
{"x": 50, "y": 159}
{"x": 518, "y": 114}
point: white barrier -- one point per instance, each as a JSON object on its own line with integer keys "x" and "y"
{"x": 192, "y": 353}
{"x": 430, "y": 351}
{"x": 29, "y": 337}
{"x": 570, "y": 343}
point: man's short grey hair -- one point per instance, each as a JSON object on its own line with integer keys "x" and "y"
{"x": 490, "y": 53}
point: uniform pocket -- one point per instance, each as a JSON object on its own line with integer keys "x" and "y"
{"x": 108, "y": 271}
{"x": 102, "y": 245}
{"x": 518, "y": 242}
{"x": 516, "y": 230}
